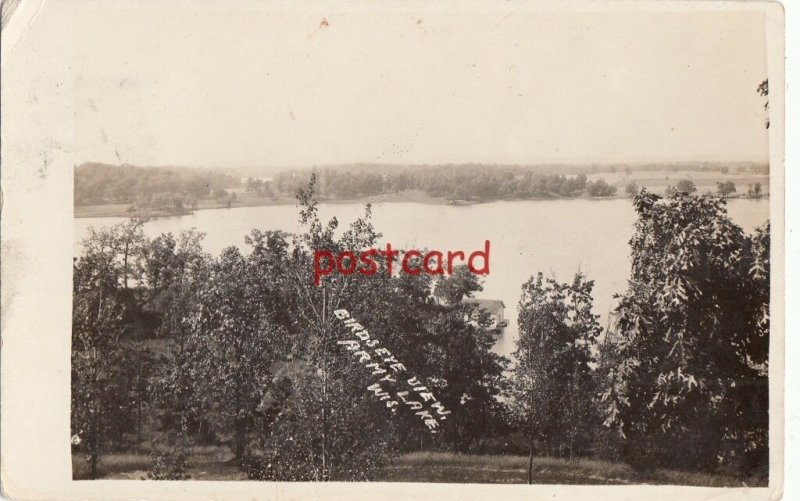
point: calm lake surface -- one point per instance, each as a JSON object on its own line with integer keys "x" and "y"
{"x": 558, "y": 238}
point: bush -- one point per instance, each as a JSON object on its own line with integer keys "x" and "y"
{"x": 600, "y": 188}
{"x": 686, "y": 186}
{"x": 170, "y": 465}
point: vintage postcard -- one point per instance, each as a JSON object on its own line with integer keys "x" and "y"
{"x": 290, "y": 250}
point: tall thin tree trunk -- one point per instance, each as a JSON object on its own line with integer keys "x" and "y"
{"x": 530, "y": 460}
{"x": 94, "y": 419}
{"x": 125, "y": 266}
{"x": 324, "y": 388}
{"x": 530, "y": 410}
{"x": 571, "y": 443}
{"x": 94, "y": 447}
{"x": 324, "y": 421}
{"x": 93, "y": 464}
{"x": 139, "y": 419}
{"x": 239, "y": 441}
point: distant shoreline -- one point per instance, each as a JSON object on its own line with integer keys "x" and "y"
{"x": 182, "y": 192}
{"x": 122, "y": 210}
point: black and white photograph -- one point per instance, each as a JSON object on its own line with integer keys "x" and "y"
{"x": 412, "y": 244}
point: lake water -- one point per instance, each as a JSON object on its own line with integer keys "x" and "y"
{"x": 557, "y": 237}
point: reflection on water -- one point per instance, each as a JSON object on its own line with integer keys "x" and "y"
{"x": 557, "y": 237}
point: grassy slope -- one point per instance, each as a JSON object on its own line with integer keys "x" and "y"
{"x": 205, "y": 463}
{"x": 214, "y": 463}
{"x": 467, "y": 468}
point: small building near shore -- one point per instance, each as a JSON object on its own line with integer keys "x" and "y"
{"x": 495, "y": 308}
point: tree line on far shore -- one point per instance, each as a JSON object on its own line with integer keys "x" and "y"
{"x": 725, "y": 189}
{"x": 476, "y": 183}
{"x": 177, "y": 190}
{"x": 174, "y": 188}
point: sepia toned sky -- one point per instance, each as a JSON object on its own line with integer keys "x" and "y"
{"x": 238, "y": 84}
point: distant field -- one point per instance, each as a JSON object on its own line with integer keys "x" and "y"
{"x": 214, "y": 463}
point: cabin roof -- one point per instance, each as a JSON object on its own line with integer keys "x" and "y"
{"x": 490, "y": 305}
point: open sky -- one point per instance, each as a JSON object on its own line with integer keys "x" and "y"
{"x": 235, "y": 84}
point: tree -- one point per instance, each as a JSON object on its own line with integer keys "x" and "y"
{"x": 453, "y": 288}
{"x": 551, "y": 383}
{"x": 316, "y": 416}
{"x": 258, "y": 186}
{"x": 356, "y": 443}
{"x": 138, "y": 370}
{"x": 754, "y": 190}
{"x": 686, "y": 360}
{"x": 102, "y": 305}
{"x": 763, "y": 90}
{"x": 228, "y": 199}
{"x": 757, "y": 190}
{"x": 450, "y": 347}
{"x": 236, "y": 344}
{"x": 176, "y": 272}
{"x": 466, "y": 374}
{"x": 726, "y": 188}
{"x": 631, "y": 189}
{"x": 253, "y": 185}
{"x": 686, "y": 186}
{"x": 600, "y": 188}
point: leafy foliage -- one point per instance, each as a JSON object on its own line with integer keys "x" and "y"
{"x": 726, "y": 188}
{"x": 552, "y": 385}
{"x": 451, "y": 289}
{"x": 686, "y": 186}
{"x": 763, "y": 91}
{"x": 169, "y": 466}
{"x": 156, "y": 187}
{"x": 687, "y": 359}
{"x": 600, "y": 188}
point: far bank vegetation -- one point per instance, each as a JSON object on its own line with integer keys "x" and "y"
{"x": 107, "y": 190}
